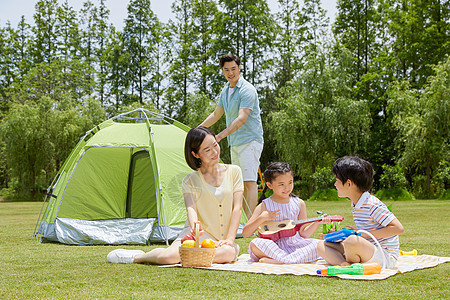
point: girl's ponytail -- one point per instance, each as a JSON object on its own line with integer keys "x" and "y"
{"x": 263, "y": 195}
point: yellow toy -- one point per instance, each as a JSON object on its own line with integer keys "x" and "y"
{"x": 414, "y": 252}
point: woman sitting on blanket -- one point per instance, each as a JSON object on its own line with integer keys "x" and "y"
{"x": 212, "y": 194}
{"x": 282, "y": 205}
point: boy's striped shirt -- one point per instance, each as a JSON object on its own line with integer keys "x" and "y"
{"x": 370, "y": 214}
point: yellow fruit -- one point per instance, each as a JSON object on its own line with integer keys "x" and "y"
{"x": 188, "y": 243}
{"x": 208, "y": 244}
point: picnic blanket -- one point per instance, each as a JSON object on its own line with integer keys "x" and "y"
{"x": 406, "y": 263}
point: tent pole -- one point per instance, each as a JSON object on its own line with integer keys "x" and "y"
{"x": 158, "y": 188}
{"x": 39, "y": 218}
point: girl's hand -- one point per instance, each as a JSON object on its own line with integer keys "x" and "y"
{"x": 223, "y": 243}
{"x": 325, "y": 220}
{"x": 269, "y": 215}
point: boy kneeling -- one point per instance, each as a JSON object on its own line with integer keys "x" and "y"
{"x": 354, "y": 177}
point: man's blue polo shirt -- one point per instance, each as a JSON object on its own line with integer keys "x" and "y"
{"x": 243, "y": 96}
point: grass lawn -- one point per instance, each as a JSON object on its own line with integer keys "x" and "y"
{"x": 35, "y": 271}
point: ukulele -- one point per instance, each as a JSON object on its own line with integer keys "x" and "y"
{"x": 275, "y": 230}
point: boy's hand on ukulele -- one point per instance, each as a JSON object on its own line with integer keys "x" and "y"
{"x": 351, "y": 227}
{"x": 269, "y": 215}
{"x": 364, "y": 235}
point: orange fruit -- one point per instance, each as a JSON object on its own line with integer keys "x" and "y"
{"x": 188, "y": 243}
{"x": 208, "y": 243}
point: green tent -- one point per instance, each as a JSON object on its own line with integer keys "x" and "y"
{"x": 121, "y": 184}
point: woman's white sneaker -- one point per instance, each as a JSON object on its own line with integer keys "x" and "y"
{"x": 122, "y": 256}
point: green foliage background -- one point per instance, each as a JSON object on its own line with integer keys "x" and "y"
{"x": 375, "y": 83}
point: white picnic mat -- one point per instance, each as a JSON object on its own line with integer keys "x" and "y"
{"x": 406, "y": 263}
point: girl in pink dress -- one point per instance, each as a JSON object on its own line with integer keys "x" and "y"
{"x": 280, "y": 206}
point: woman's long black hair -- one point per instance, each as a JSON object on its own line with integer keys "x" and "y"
{"x": 194, "y": 139}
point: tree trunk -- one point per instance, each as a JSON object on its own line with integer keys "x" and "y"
{"x": 313, "y": 169}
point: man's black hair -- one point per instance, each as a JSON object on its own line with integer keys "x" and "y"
{"x": 229, "y": 57}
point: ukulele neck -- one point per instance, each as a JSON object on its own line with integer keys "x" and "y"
{"x": 307, "y": 220}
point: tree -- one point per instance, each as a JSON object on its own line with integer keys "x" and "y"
{"x": 53, "y": 80}
{"x": 88, "y": 35}
{"x": 4, "y": 180}
{"x": 67, "y": 33}
{"x": 419, "y": 34}
{"x": 317, "y": 119}
{"x": 361, "y": 27}
{"x": 248, "y": 31}
{"x": 117, "y": 62}
{"x": 101, "y": 19}
{"x": 95, "y": 41}
{"x": 69, "y": 52}
{"x": 4, "y": 70}
{"x": 16, "y": 62}
{"x": 205, "y": 47}
{"x": 45, "y": 37}
{"x": 355, "y": 27}
{"x": 182, "y": 60}
{"x": 422, "y": 120}
{"x": 300, "y": 40}
{"x": 7, "y": 37}
{"x": 315, "y": 23}
{"x": 21, "y": 47}
{"x": 287, "y": 48}
{"x": 159, "y": 39}
{"x": 39, "y": 135}
{"x": 139, "y": 42}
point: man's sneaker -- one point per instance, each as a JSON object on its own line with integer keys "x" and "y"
{"x": 122, "y": 256}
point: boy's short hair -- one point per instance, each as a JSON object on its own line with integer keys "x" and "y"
{"x": 229, "y": 57}
{"x": 356, "y": 169}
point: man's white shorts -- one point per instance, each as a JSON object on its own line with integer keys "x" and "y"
{"x": 247, "y": 157}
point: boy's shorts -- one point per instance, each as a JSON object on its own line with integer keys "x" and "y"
{"x": 204, "y": 236}
{"x": 378, "y": 258}
{"x": 247, "y": 157}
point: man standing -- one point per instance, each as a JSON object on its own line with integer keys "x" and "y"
{"x": 239, "y": 101}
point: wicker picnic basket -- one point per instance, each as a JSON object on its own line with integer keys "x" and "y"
{"x": 196, "y": 256}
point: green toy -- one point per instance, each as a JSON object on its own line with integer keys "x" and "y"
{"x": 326, "y": 228}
